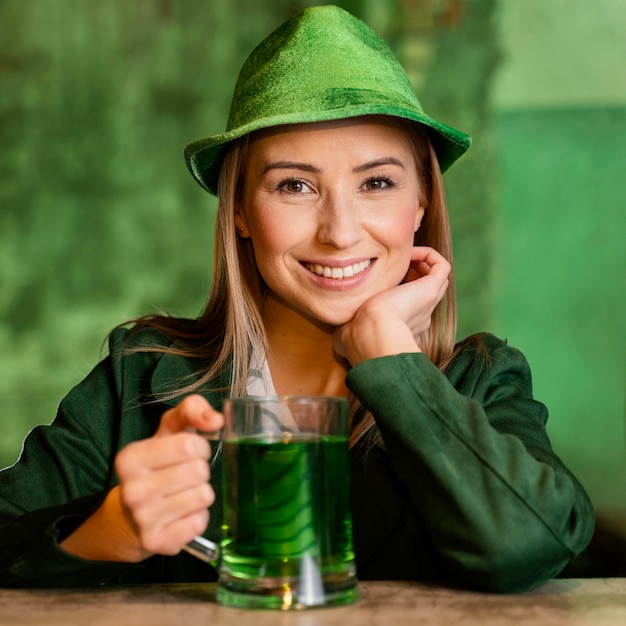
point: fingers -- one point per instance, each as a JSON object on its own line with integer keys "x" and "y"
{"x": 193, "y": 413}
{"x": 427, "y": 261}
{"x": 166, "y": 523}
{"x": 176, "y": 535}
{"x": 161, "y": 452}
{"x": 427, "y": 254}
{"x": 157, "y": 499}
{"x": 432, "y": 271}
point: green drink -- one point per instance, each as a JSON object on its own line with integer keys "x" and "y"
{"x": 287, "y": 536}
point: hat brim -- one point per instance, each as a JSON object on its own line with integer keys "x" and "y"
{"x": 204, "y": 157}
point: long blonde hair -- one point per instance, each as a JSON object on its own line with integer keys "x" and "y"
{"x": 230, "y": 328}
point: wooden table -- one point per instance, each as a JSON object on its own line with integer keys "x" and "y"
{"x": 566, "y": 602}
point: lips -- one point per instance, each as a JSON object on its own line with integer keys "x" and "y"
{"x": 338, "y": 273}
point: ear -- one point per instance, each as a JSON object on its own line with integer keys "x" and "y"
{"x": 419, "y": 216}
{"x": 241, "y": 226}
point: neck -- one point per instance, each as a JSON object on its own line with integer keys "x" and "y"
{"x": 301, "y": 357}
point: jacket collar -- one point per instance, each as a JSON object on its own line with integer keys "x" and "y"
{"x": 173, "y": 372}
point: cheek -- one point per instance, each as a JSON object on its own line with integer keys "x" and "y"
{"x": 272, "y": 235}
{"x": 398, "y": 233}
{"x": 397, "y": 236}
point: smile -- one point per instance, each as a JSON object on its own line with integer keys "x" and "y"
{"x": 338, "y": 272}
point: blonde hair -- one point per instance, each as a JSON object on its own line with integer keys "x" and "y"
{"x": 230, "y": 328}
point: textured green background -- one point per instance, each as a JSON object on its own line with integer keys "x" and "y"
{"x": 100, "y": 222}
{"x": 560, "y": 120}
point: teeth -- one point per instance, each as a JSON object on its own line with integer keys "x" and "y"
{"x": 338, "y": 272}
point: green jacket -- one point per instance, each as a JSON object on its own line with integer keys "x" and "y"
{"x": 465, "y": 489}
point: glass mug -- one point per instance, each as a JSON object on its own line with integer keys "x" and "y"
{"x": 287, "y": 528}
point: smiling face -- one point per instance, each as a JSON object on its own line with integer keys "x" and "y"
{"x": 331, "y": 209}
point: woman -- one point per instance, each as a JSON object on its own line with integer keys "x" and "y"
{"x": 333, "y": 277}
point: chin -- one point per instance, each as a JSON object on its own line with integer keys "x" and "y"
{"x": 334, "y": 319}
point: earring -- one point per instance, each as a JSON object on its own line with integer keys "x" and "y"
{"x": 417, "y": 226}
{"x": 240, "y": 229}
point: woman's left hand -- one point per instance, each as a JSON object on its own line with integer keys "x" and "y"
{"x": 392, "y": 321}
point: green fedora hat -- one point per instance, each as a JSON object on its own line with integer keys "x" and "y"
{"x": 323, "y": 64}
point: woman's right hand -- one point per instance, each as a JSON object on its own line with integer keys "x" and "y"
{"x": 164, "y": 493}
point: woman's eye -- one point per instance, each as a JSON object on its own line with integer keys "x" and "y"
{"x": 293, "y": 185}
{"x": 380, "y": 182}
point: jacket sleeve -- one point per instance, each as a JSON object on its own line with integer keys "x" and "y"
{"x": 61, "y": 477}
{"x": 470, "y": 446}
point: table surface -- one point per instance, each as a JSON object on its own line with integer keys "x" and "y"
{"x": 573, "y": 602}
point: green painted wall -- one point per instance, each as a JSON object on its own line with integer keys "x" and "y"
{"x": 560, "y": 102}
{"x": 560, "y": 278}
{"x": 561, "y": 53}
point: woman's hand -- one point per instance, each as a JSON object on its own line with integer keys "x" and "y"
{"x": 164, "y": 493}
{"x": 392, "y": 321}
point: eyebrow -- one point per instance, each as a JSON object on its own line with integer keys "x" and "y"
{"x": 378, "y": 163}
{"x": 307, "y": 167}
{"x": 291, "y": 165}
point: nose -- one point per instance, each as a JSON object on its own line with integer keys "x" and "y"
{"x": 339, "y": 224}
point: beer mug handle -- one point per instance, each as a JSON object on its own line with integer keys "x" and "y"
{"x": 203, "y": 549}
